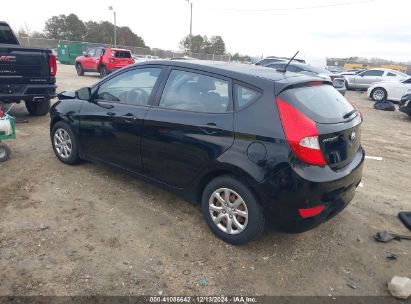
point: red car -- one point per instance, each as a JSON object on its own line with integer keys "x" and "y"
{"x": 103, "y": 60}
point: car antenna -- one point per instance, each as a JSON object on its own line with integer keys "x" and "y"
{"x": 288, "y": 63}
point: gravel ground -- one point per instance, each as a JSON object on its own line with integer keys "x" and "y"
{"x": 92, "y": 230}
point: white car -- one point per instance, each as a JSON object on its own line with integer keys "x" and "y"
{"x": 389, "y": 90}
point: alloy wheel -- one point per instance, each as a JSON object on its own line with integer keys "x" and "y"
{"x": 62, "y": 143}
{"x": 228, "y": 211}
{"x": 378, "y": 94}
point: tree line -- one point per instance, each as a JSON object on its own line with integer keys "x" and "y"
{"x": 71, "y": 27}
{"x": 203, "y": 45}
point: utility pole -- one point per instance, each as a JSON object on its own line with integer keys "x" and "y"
{"x": 191, "y": 24}
{"x": 115, "y": 25}
{"x": 28, "y": 32}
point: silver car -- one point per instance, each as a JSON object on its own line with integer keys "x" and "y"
{"x": 364, "y": 79}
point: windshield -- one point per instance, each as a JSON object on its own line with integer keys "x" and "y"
{"x": 122, "y": 54}
{"x": 7, "y": 36}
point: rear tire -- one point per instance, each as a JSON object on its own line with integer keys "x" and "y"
{"x": 5, "y": 152}
{"x": 379, "y": 94}
{"x": 103, "y": 71}
{"x": 79, "y": 69}
{"x": 64, "y": 143}
{"x": 38, "y": 108}
{"x": 241, "y": 211}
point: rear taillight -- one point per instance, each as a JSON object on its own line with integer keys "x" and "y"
{"x": 53, "y": 65}
{"x": 301, "y": 133}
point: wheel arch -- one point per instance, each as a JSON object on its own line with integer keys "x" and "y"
{"x": 237, "y": 173}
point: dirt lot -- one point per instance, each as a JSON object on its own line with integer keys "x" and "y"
{"x": 89, "y": 229}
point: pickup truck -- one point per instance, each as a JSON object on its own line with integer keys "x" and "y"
{"x": 26, "y": 74}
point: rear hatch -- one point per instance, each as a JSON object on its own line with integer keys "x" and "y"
{"x": 337, "y": 121}
{"x": 122, "y": 57}
{"x": 23, "y": 65}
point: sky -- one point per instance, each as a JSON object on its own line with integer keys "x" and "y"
{"x": 317, "y": 28}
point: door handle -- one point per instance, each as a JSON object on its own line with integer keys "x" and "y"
{"x": 129, "y": 118}
{"x": 111, "y": 114}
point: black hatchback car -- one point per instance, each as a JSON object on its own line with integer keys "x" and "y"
{"x": 252, "y": 145}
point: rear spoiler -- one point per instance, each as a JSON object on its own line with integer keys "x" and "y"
{"x": 308, "y": 83}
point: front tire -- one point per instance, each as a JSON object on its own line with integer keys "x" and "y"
{"x": 79, "y": 69}
{"x": 379, "y": 94}
{"x": 232, "y": 211}
{"x": 64, "y": 143}
{"x": 38, "y": 108}
{"x": 5, "y": 152}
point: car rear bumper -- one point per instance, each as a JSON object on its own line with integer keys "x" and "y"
{"x": 289, "y": 191}
{"x": 114, "y": 67}
{"x": 18, "y": 92}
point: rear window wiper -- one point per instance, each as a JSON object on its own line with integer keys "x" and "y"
{"x": 349, "y": 113}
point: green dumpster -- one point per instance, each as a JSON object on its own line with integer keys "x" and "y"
{"x": 68, "y": 51}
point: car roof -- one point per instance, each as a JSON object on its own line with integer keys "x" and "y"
{"x": 384, "y": 69}
{"x": 117, "y": 49}
{"x": 228, "y": 69}
{"x": 247, "y": 73}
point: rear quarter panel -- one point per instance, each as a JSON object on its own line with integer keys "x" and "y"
{"x": 259, "y": 148}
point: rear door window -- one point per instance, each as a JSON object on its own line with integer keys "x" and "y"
{"x": 195, "y": 92}
{"x": 98, "y": 53}
{"x": 321, "y": 103}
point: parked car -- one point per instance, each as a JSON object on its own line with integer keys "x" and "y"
{"x": 307, "y": 69}
{"x": 405, "y": 103}
{"x": 252, "y": 145}
{"x": 271, "y": 59}
{"x": 26, "y": 73}
{"x": 103, "y": 60}
{"x": 352, "y": 72}
{"x": 364, "y": 79}
{"x": 389, "y": 90}
{"x": 137, "y": 58}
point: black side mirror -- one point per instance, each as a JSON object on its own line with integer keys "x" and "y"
{"x": 85, "y": 54}
{"x": 84, "y": 94}
{"x": 66, "y": 95}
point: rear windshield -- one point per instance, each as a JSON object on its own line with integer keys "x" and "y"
{"x": 6, "y": 35}
{"x": 321, "y": 103}
{"x": 122, "y": 54}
